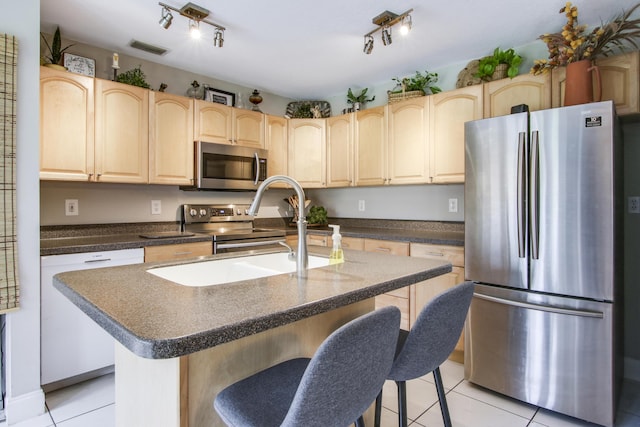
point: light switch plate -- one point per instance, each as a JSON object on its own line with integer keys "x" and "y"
{"x": 156, "y": 207}
{"x": 71, "y": 207}
{"x": 453, "y": 205}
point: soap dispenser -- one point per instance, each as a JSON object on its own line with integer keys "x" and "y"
{"x": 337, "y": 256}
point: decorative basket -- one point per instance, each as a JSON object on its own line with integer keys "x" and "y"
{"x": 468, "y": 75}
{"x": 401, "y": 96}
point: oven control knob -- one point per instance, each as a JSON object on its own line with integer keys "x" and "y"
{"x": 238, "y": 211}
{"x": 203, "y": 212}
{"x": 193, "y": 212}
{"x": 246, "y": 211}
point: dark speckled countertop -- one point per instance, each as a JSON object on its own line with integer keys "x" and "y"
{"x": 156, "y": 318}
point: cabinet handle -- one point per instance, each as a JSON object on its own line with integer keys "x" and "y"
{"x": 381, "y": 249}
{"x": 182, "y": 253}
{"x": 97, "y": 260}
{"x": 434, "y": 253}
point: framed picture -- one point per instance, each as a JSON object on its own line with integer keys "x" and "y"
{"x": 219, "y": 96}
{"x": 79, "y": 64}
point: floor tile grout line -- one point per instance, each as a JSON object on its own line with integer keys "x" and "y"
{"x": 497, "y": 407}
{"x": 80, "y": 415}
{"x": 46, "y": 406}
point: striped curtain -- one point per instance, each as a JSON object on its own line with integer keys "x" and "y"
{"x": 9, "y": 292}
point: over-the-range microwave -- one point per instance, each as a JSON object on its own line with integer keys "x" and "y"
{"x": 227, "y": 167}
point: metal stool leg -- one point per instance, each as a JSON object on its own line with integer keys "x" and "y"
{"x": 360, "y": 421}
{"x": 402, "y": 403}
{"x": 378, "y": 414}
{"x": 441, "y": 397}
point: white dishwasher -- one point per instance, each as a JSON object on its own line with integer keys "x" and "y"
{"x": 73, "y": 347}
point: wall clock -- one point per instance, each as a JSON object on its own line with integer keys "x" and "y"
{"x": 79, "y": 64}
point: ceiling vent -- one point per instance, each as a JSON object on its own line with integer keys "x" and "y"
{"x": 156, "y": 50}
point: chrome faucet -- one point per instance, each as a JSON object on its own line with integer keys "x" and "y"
{"x": 302, "y": 260}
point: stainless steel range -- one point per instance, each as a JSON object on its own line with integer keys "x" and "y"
{"x": 230, "y": 226}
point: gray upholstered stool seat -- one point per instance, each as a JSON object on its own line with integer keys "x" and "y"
{"x": 334, "y": 388}
{"x": 423, "y": 349}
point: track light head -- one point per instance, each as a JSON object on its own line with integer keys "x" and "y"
{"x": 218, "y": 38}
{"x": 166, "y": 19}
{"x": 368, "y": 44}
{"x": 194, "y": 29}
{"x": 405, "y": 27}
{"x": 386, "y": 36}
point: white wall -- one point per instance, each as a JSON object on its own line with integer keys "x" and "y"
{"x": 24, "y": 397}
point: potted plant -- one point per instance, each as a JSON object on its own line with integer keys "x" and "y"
{"x": 133, "y": 77}
{"x": 55, "y": 50}
{"x": 417, "y": 85}
{"x": 359, "y": 100}
{"x": 503, "y": 63}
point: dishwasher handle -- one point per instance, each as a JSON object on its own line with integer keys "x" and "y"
{"x": 547, "y": 308}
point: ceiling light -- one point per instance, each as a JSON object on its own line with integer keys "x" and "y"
{"x": 218, "y": 38}
{"x": 194, "y": 30}
{"x": 166, "y": 19}
{"x": 405, "y": 27}
{"x": 384, "y": 22}
{"x": 368, "y": 44}
{"x": 196, "y": 15}
{"x": 386, "y": 36}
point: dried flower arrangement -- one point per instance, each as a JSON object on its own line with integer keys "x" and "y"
{"x": 574, "y": 44}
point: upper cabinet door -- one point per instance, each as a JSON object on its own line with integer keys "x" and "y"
{"x": 122, "y": 132}
{"x": 248, "y": 128}
{"x": 501, "y": 95}
{"x": 171, "y": 158}
{"x": 307, "y": 152}
{"x": 213, "y": 122}
{"x": 448, "y": 111}
{"x": 371, "y": 146}
{"x": 276, "y": 144}
{"x": 66, "y": 126}
{"x": 340, "y": 151}
{"x": 408, "y": 155}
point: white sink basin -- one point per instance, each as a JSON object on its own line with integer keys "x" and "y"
{"x": 227, "y": 270}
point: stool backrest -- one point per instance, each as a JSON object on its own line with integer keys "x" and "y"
{"x": 434, "y": 334}
{"x": 347, "y": 372}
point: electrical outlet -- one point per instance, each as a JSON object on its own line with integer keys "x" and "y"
{"x": 156, "y": 207}
{"x": 453, "y": 205}
{"x": 71, "y": 207}
{"x": 361, "y": 205}
{"x": 634, "y": 204}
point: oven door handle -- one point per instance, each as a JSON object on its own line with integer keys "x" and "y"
{"x": 247, "y": 244}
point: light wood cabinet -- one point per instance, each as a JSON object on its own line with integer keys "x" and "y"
{"x": 423, "y": 292}
{"x": 122, "y": 132}
{"x": 223, "y": 124}
{"x": 170, "y": 139}
{"x": 354, "y": 243}
{"x": 307, "y": 152}
{"x": 619, "y": 79}
{"x": 500, "y": 95}
{"x": 371, "y": 147}
{"x": 276, "y": 143}
{"x": 448, "y": 112}
{"x": 340, "y": 151}
{"x": 177, "y": 251}
{"x": 66, "y": 126}
{"x": 398, "y": 297}
{"x": 408, "y": 151}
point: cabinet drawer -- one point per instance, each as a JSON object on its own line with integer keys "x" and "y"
{"x": 386, "y": 246}
{"x": 177, "y": 251}
{"x": 355, "y": 243}
{"x": 318, "y": 240}
{"x": 385, "y": 300}
{"x": 453, "y": 254}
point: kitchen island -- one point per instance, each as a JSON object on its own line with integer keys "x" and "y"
{"x": 177, "y": 346}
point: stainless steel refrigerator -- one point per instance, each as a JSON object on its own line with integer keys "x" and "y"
{"x": 543, "y": 243}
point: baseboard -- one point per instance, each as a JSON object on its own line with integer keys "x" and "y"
{"x": 632, "y": 369}
{"x": 24, "y": 407}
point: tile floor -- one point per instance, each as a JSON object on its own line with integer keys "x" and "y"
{"x": 91, "y": 404}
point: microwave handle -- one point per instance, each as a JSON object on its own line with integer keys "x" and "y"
{"x": 255, "y": 182}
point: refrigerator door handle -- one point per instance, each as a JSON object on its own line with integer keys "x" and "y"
{"x": 549, "y": 309}
{"x": 534, "y": 213}
{"x": 520, "y": 196}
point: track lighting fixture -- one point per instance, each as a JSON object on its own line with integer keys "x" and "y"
{"x": 196, "y": 15}
{"x": 166, "y": 19}
{"x": 385, "y": 21}
{"x": 368, "y": 44}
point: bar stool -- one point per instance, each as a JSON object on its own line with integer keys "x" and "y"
{"x": 334, "y": 388}
{"x": 423, "y": 349}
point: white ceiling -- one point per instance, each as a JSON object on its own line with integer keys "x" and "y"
{"x": 311, "y": 50}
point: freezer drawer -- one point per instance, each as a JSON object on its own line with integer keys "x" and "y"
{"x": 550, "y": 351}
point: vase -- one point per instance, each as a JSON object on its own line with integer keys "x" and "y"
{"x": 579, "y": 83}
